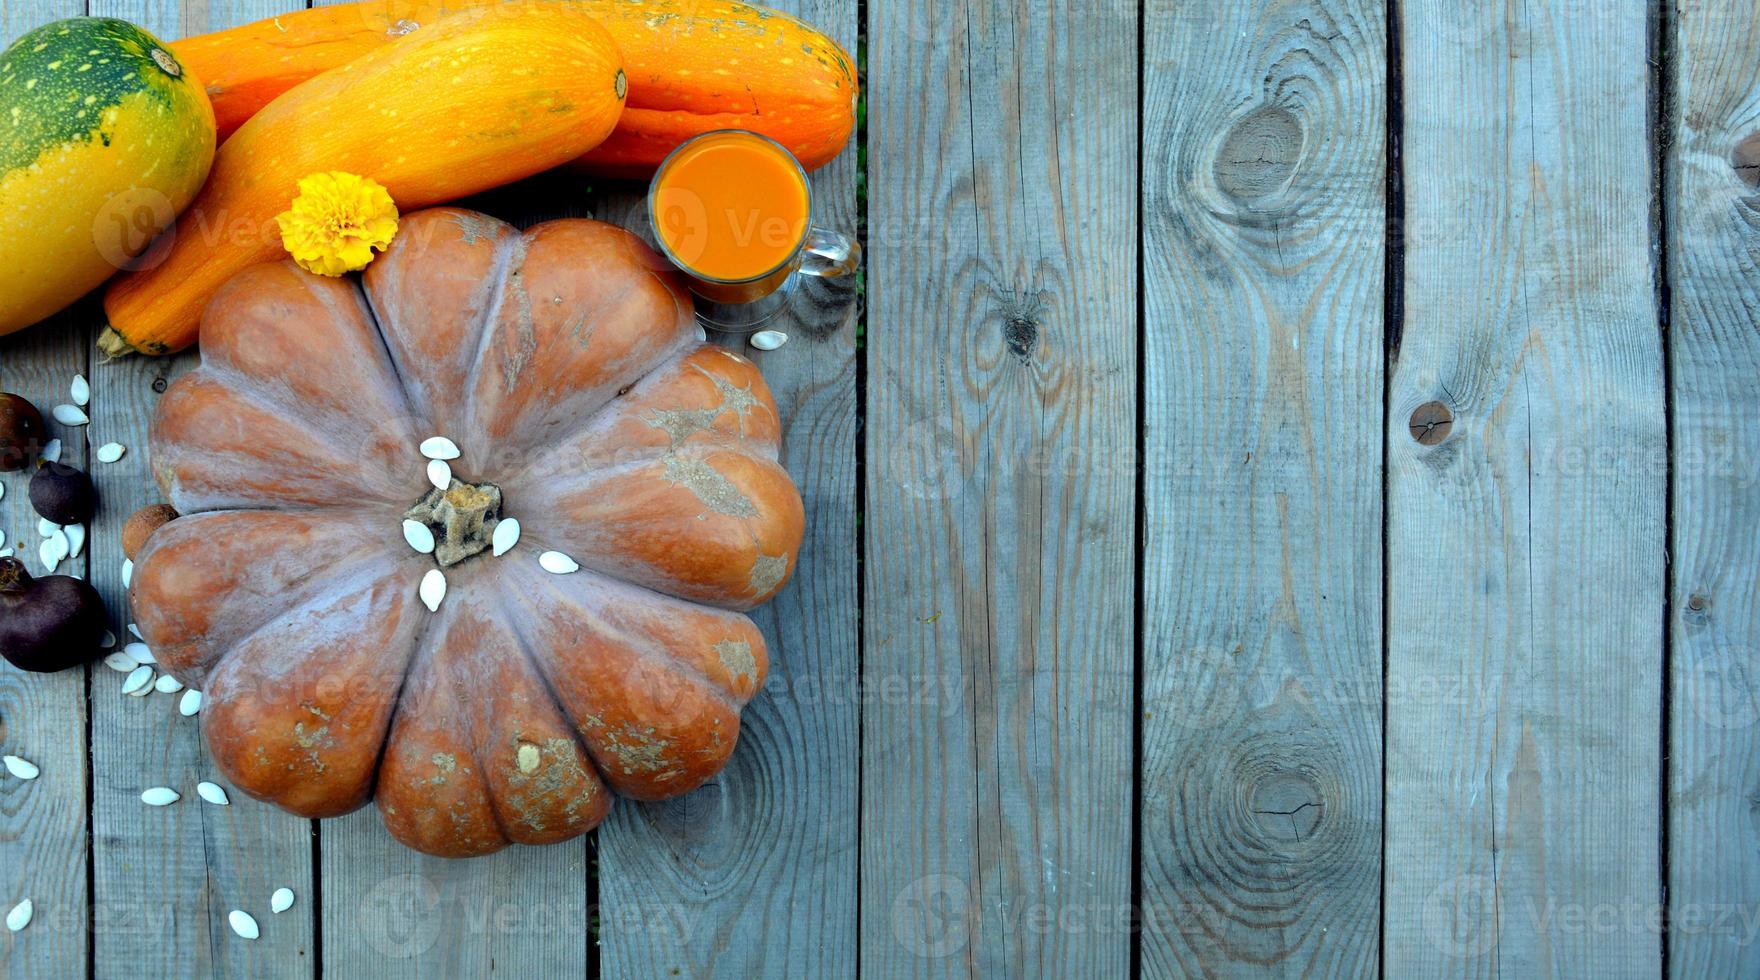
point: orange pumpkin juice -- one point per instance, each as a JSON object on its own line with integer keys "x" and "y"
{"x": 731, "y": 210}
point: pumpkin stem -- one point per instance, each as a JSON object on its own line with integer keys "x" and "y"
{"x": 462, "y": 517}
{"x": 112, "y": 345}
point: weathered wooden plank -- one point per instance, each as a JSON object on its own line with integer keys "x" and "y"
{"x": 1713, "y": 198}
{"x": 43, "y": 822}
{"x": 179, "y": 871}
{"x": 18, "y": 16}
{"x": 998, "y": 666}
{"x": 1525, "y": 534}
{"x": 521, "y": 912}
{"x": 1264, "y": 163}
{"x": 754, "y": 874}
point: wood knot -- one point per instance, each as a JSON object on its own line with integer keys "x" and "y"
{"x": 1021, "y": 313}
{"x": 1287, "y": 806}
{"x": 1431, "y": 423}
{"x": 1259, "y": 154}
{"x": 1746, "y": 160}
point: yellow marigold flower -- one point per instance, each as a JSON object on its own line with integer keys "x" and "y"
{"x": 336, "y": 222}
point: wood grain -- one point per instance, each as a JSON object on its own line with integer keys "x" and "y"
{"x": 1714, "y": 265}
{"x": 44, "y": 821}
{"x": 754, "y": 874}
{"x": 998, "y": 621}
{"x": 1525, "y": 547}
{"x": 177, "y": 870}
{"x": 1264, "y": 168}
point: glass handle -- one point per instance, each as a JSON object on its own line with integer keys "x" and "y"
{"x": 828, "y": 254}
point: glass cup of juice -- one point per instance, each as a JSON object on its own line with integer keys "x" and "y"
{"x": 733, "y": 211}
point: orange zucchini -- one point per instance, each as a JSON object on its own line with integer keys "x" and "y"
{"x": 693, "y": 66}
{"x": 477, "y": 100}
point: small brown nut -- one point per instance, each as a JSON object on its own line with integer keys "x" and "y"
{"x": 21, "y": 432}
{"x": 141, "y": 525}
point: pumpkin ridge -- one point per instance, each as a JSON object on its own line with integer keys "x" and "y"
{"x": 423, "y": 632}
{"x": 590, "y": 427}
{"x": 322, "y": 431}
{"x": 678, "y": 347}
{"x": 466, "y": 727}
{"x": 517, "y": 626}
{"x": 365, "y": 305}
{"x": 510, "y": 261}
{"x": 575, "y": 725}
{"x": 366, "y": 570}
{"x": 287, "y": 682}
{"x": 607, "y": 629}
{"x": 301, "y": 592}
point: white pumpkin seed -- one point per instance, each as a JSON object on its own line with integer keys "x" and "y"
{"x": 505, "y": 537}
{"x": 166, "y": 684}
{"x": 281, "y": 901}
{"x": 47, "y": 528}
{"x": 433, "y": 589}
{"x": 70, "y": 415}
{"x": 419, "y": 536}
{"x": 701, "y": 333}
{"x": 110, "y": 452}
{"x": 109, "y": 639}
{"x": 20, "y": 916}
{"x": 769, "y": 339}
{"x": 212, "y": 793}
{"x": 243, "y": 924}
{"x": 80, "y": 390}
{"x": 190, "y": 704}
{"x": 76, "y": 539}
{"x": 140, "y": 653}
{"x": 52, "y": 451}
{"x": 558, "y": 563}
{"x": 121, "y": 662}
{"x": 137, "y": 681}
{"x": 51, "y": 551}
{"x": 439, "y": 474}
{"x": 20, "y": 768}
{"x": 136, "y": 630}
{"x": 160, "y": 796}
{"x": 127, "y": 572}
{"x": 439, "y": 447}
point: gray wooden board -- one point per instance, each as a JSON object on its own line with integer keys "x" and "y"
{"x": 1525, "y": 555}
{"x": 44, "y": 821}
{"x": 999, "y": 521}
{"x": 1264, "y": 170}
{"x": 1714, "y": 263}
{"x": 754, "y": 874}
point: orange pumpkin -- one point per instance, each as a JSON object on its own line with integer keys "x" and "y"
{"x": 563, "y": 365}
